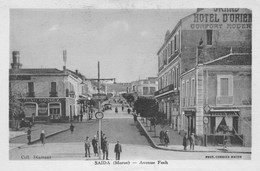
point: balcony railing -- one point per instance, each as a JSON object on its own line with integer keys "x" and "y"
{"x": 31, "y": 94}
{"x": 164, "y": 90}
{"x": 53, "y": 94}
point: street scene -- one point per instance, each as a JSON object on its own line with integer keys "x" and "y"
{"x": 131, "y": 85}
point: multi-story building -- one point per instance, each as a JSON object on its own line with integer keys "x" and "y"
{"x": 48, "y": 93}
{"x": 145, "y": 87}
{"x": 214, "y": 60}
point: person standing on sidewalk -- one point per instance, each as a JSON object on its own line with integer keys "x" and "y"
{"x": 29, "y": 136}
{"x": 87, "y": 147}
{"x": 162, "y": 137}
{"x": 166, "y": 138}
{"x": 185, "y": 139}
{"x": 118, "y": 150}
{"x": 116, "y": 110}
{"x": 71, "y": 128}
{"x": 94, "y": 145}
{"x": 42, "y": 137}
{"x": 192, "y": 141}
{"x": 128, "y": 110}
{"x": 105, "y": 148}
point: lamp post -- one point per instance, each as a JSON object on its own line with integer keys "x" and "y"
{"x": 99, "y": 111}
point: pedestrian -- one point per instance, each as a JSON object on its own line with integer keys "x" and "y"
{"x": 184, "y": 142}
{"x": 118, "y": 150}
{"x": 71, "y": 128}
{"x": 135, "y": 117}
{"x": 116, "y": 110}
{"x": 162, "y": 137}
{"x": 29, "y": 136}
{"x": 87, "y": 147}
{"x": 33, "y": 119}
{"x": 42, "y": 137}
{"x": 225, "y": 140}
{"x": 94, "y": 145}
{"x": 122, "y": 107}
{"x": 105, "y": 149}
{"x": 166, "y": 138}
{"x": 128, "y": 110}
{"x": 81, "y": 117}
{"x": 192, "y": 141}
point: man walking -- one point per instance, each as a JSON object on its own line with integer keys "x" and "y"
{"x": 105, "y": 148}
{"x": 192, "y": 141}
{"x": 71, "y": 128}
{"x": 87, "y": 147}
{"x": 118, "y": 150}
{"x": 29, "y": 136}
{"x": 162, "y": 137}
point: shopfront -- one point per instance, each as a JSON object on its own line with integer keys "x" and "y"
{"x": 45, "y": 109}
{"x": 219, "y": 123}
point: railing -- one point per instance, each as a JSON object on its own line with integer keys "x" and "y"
{"x": 53, "y": 94}
{"x": 31, "y": 94}
{"x": 164, "y": 90}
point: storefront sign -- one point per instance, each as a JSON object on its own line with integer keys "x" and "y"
{"x": 219, "y": 18}
{"x": 189, "y": 112}
{"x": 164, "y": 90}
{"x": 42, "y": 100}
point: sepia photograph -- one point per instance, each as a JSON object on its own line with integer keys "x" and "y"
{"x": 130, "y": 87}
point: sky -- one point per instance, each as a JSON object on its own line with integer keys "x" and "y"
{"x": 125, "y": 41}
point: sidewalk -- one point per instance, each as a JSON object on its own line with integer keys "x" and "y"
{"x": 176, "y": 142}
{"x": 19, "y": 138}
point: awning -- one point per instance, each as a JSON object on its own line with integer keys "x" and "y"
{"x": 224, "y": 112}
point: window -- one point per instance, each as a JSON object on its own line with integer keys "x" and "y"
{"x": 177, "y": 77}
{"x": 146, "y": 82}
{"x": 152, "y": 90}
{"x": 178, "y": 40}
{"x": 173, "y": 78}
{"x": 175, "y": 42}
{"x": 183, "y": 89}
{"x": 53, "y": 86}
{"x": 30, "y": 87}
{"x": 169, "y": 50}
{"x": 171, "y": 47}
{"x": 192, "y": 87}
{"x": 209, "y": 37}
{"x": 145, "y": 90}
{"x": 187, "y": 88}
{"x": 225, "y": 85}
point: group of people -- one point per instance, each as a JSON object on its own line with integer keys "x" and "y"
{"x": 104, "y": 147}
{"x": 29, "y": 136}
{"x": 187, "y": 139}
{"x": 164, "y": 137}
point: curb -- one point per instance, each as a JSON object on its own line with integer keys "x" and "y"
{"x": 47, "y": 136}
{"x": 154, "y": 145}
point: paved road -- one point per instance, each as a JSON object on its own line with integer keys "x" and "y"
{"x": 116, "y": 127}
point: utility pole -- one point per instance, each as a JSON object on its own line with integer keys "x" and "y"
{"x": 99, "y": 115}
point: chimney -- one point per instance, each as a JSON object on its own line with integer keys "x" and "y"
{"x": 16, "y": 60}
{"x": 64, "y": 60}
{"x": 76, "y": 72}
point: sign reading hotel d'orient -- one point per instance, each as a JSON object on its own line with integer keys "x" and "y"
{"x": 219, "y": 18}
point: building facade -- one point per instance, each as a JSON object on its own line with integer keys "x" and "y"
{"x": 145, "y": 87}
{"x": 214, "y": 76}
{"x": 48, "y": 93}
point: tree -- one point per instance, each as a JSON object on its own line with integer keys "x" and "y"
{"x": 16, "y": 109}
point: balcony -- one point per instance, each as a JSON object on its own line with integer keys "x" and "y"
{"x": 164, "y": 90}
{"x": 224, "y": 100}
{"x": 53, "y": 94}
{"x": 31, "y": 94}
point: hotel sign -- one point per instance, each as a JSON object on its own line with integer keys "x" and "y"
{"x": 219, "y": 18}
{"x": 164, "y": 90}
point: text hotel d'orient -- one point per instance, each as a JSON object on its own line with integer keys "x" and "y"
{"x": 220, "y": 18}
